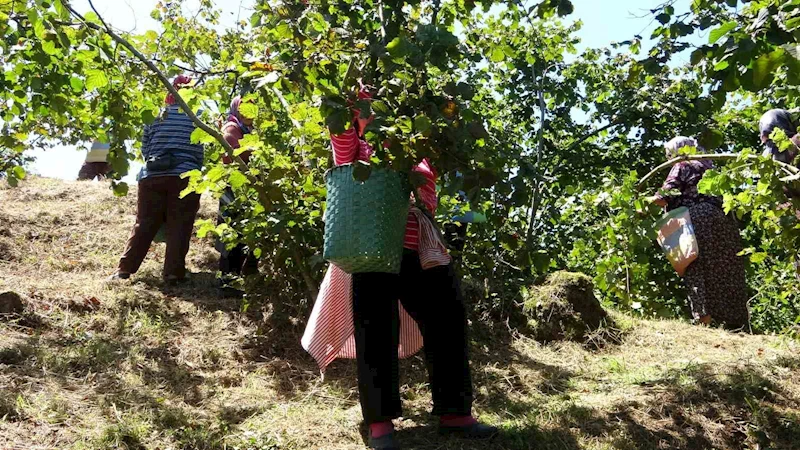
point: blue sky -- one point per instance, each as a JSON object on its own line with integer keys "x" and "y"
{"x": 604, "y": 22}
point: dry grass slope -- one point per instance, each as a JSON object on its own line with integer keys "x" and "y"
{"x": 139, "y": 365}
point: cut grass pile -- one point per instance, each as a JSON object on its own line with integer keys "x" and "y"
{"x": 139, "y": 365}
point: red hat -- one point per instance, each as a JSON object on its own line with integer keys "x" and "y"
{"x": 179, "y": 82}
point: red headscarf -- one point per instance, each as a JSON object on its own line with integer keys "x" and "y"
{"x": 179, "y": 82}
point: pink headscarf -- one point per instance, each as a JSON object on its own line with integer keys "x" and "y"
{"x": 179, "y": 82}
{"x": 235, "y": 116}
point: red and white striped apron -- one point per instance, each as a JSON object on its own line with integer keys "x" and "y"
{"x": 330, "y": 330}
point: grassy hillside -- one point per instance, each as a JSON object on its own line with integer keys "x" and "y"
{"x": 139, "y": 365}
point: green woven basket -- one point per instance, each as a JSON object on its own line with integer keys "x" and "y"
{"x": 365, "y": 223}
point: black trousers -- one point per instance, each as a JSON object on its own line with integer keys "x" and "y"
{"x": 238, "y": 260}
{"x": 433, "y": 298}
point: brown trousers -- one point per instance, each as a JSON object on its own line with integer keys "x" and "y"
{"x": 92, "y": 170}
{"x": 159, "y": 201}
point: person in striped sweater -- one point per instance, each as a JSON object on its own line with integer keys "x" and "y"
{"x": 168, "y": 152}
{"x": 432, "y": 297}
{"x": 96, "y": 164}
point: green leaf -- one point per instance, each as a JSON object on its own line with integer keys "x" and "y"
{"x": 399, "y": 48}
{"x": 120, "y": 189}
{"x": 405, "y": 124}
{"x": 697, "y": 56}
{"x": 498, "y": 55}
{"x": 96, "y": 79}
{"x": 708, "y": 183}
{"x": 248, "y": 110}
{"x": 192, "y": 175}
{"x": 711, "y": 139}
{"x": 60, "y": 9}
{"x": 764, "y": 68}
{"x": 19, "y": 172}
{"x": 77, "y": 84}
{"x": 422, "y": 124}
{"x": 719, "y": 32}
{"x": 565, "y": 8}
{"x": 380, "y": 106}
{"x": 237, "y": 179}
{"x": 465, "y": 91}
{"x": 284, "y": 31}
{"x": 215, "y": 174}
{"x": 540, "y": 261}
{"x": 92, "y": 17}
{"x": 49, "y": 47}
{"x": 731, "y": 81}
{"x": 255, "y": 20}
{"x": 722, "y": 65}
{"x": 257, "y": 253}
{"x": 204, "y": 227}
{"x": 148, "y": 116}
{"x": 199, "y": 136}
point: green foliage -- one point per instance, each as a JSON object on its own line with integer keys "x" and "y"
{"x": 754, "y": 193}
{"x": 488, "y": 94}
{"x": 618, "y": 244}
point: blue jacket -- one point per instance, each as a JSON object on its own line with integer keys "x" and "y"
{"x": 171, "y": 135}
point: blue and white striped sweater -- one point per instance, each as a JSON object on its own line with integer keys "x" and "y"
{"x": 171, "y": 135}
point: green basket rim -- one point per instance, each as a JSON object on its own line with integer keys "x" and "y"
{"x": 347, "y": 165}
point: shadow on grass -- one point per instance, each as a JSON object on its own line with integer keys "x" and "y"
{"x": 694, "y": 408}
{"x": 699, "y": 408}
{"x": 200, "y": 289}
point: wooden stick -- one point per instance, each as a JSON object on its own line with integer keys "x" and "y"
{"x": 719, "y": 156}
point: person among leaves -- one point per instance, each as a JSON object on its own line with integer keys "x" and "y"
{"x": 782, "y": 119}
{"x": 779, "y": 119}
{"x": 716, "y": 279}
{"x": 168, "y": 152}
{"x": 359, "y": 316}
{"x": 96, "y": 164}
{"x": 238, "y": 260}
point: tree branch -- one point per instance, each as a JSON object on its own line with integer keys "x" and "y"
{"x": 718, "y": 156}
{"x": 537, "y": 199}
{"x": 98, "y": 15}
{"x": 262, "y": 194}
{"x": 437, "y": 5}
{"x": 591, "y": 134}
{"x": 205, "y": 73}
{"x": 165, "y": 81}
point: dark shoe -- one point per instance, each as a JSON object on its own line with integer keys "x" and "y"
{"x": 475, "y": 431}
{"x": 116, "y": 276}
{"x": 385, "y": 442}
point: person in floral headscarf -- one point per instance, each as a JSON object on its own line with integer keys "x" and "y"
{"x": 716, "y": 279}
{"x": 168, "y": 152}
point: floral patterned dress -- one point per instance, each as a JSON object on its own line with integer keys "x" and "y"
{"x": 716, "y": 279}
